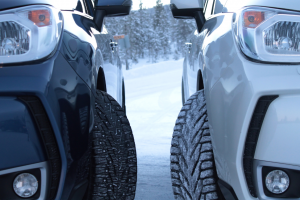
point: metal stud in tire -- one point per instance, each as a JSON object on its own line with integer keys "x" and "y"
{"x": 192, "y": 164}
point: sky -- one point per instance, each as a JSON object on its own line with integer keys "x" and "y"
{"x": 147, "y": 3}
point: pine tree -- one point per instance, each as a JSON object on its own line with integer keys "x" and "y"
{"x": 183, "y": 29}
{"x": 165, "y": 32}
{"x": 149, "y": 34}
{"x": 144, "y": 27}
{"x": 153, "y": 32}
{"x": 158, "y": 10}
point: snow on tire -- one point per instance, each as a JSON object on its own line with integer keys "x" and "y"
{"x": 192, "y": 163}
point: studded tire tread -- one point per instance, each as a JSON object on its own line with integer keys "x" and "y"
{"x": 114, "y": 171}
{"x": 193, "y": 171}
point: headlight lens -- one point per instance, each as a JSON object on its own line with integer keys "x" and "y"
{"x": 15, "y": 39}
{"x": 25, "y": 185}
{"x": 267, "y": 34}
{"x": 29, "y": 33}
{"x": 277, "y": 182}
{"x": 282, "y": 38}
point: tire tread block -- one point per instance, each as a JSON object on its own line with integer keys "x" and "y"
{"x": 114, "y": 152}
{"x": 192, "y": 163}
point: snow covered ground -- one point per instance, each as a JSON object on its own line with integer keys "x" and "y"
{"x": 153, "y": 99}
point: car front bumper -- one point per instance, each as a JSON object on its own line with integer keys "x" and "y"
{"x": 7, "y": 178}
{"x": 32, "y": 99}
{"x": 234, "y": 84}
{"x": 20, "y": 141}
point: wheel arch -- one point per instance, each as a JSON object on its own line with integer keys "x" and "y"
{"x": 101, "y": 82}
{"x": 123, "y": 95}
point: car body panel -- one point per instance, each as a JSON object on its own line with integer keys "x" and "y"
{"x": 75, "y": 105}
{"x": 219, "y": 5}
{"x": 64, "y": 94}
{"x": 79, "y": 46}
{"x": 65, "y": 83}
{"x": 111, "y": 64}
{"x": 225, "y": 86}
{"x": 192, "y": 65}
{"x": 18, "y": 135}
{"x": 67, "y": 5}
{"x": 235, "y": 5}
{"x": 232, "y": 85}
{"x": 89, "y": 39}
{"x": 280, "y": 131}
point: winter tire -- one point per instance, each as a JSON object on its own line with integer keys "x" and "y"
{"x": 114, "y": 162}
{"x": 192, "y": 163}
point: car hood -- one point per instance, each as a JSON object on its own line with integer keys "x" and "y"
{"x": 60, "y": 4}
{"x": 235, "y": 5}
{"x": 7, "y": 4}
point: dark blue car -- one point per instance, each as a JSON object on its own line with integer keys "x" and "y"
{"x": 64, "y": 133}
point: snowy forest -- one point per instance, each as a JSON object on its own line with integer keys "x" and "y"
{"x": 153, "y": 33}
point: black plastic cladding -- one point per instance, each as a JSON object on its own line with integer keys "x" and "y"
{"x": 252, "y": 138}
{"x": 48, "y": 137}
{"x": 227, "y": 190}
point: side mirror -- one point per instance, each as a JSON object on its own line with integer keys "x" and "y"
{"x": 110, "y": 8}
{"x": 189, "y": 9}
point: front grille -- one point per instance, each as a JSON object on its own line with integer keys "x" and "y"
{"x": 45, "y": 129}
{"x": 252, "y": 138}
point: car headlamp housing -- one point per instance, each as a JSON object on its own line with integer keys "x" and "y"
{"x": 267, "y": 34}
{"x": 29, "y": 33}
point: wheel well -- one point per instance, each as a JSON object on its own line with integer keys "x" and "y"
{"x": 123, "y": 96}
{"x": 200, "y": 85}
{"x": 101, "y": 83}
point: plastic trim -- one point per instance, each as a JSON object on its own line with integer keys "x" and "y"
{"x": 227, "y": 190}
{"x": 43, "y": 166}
{"x": 45, "y": 129}
{"x": 257, "y": 168}
{"x": 252, "y": 138}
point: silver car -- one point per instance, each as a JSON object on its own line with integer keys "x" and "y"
{"x": 237, "y": 135}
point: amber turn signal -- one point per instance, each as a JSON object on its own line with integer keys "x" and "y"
{"x": 40, "y": 17}
{"x": 253, "y": 18}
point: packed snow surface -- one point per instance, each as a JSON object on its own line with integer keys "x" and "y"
{"x": 153, "y": 102}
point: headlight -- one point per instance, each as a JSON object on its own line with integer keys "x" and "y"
{"x": 277, "y": 182}
{"x": 29, "y": 33}
{"x": 25, "y": 185}
{"x": 270, "y": 35}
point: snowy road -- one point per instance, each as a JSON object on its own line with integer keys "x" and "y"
{"x": 153, "y": 99}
